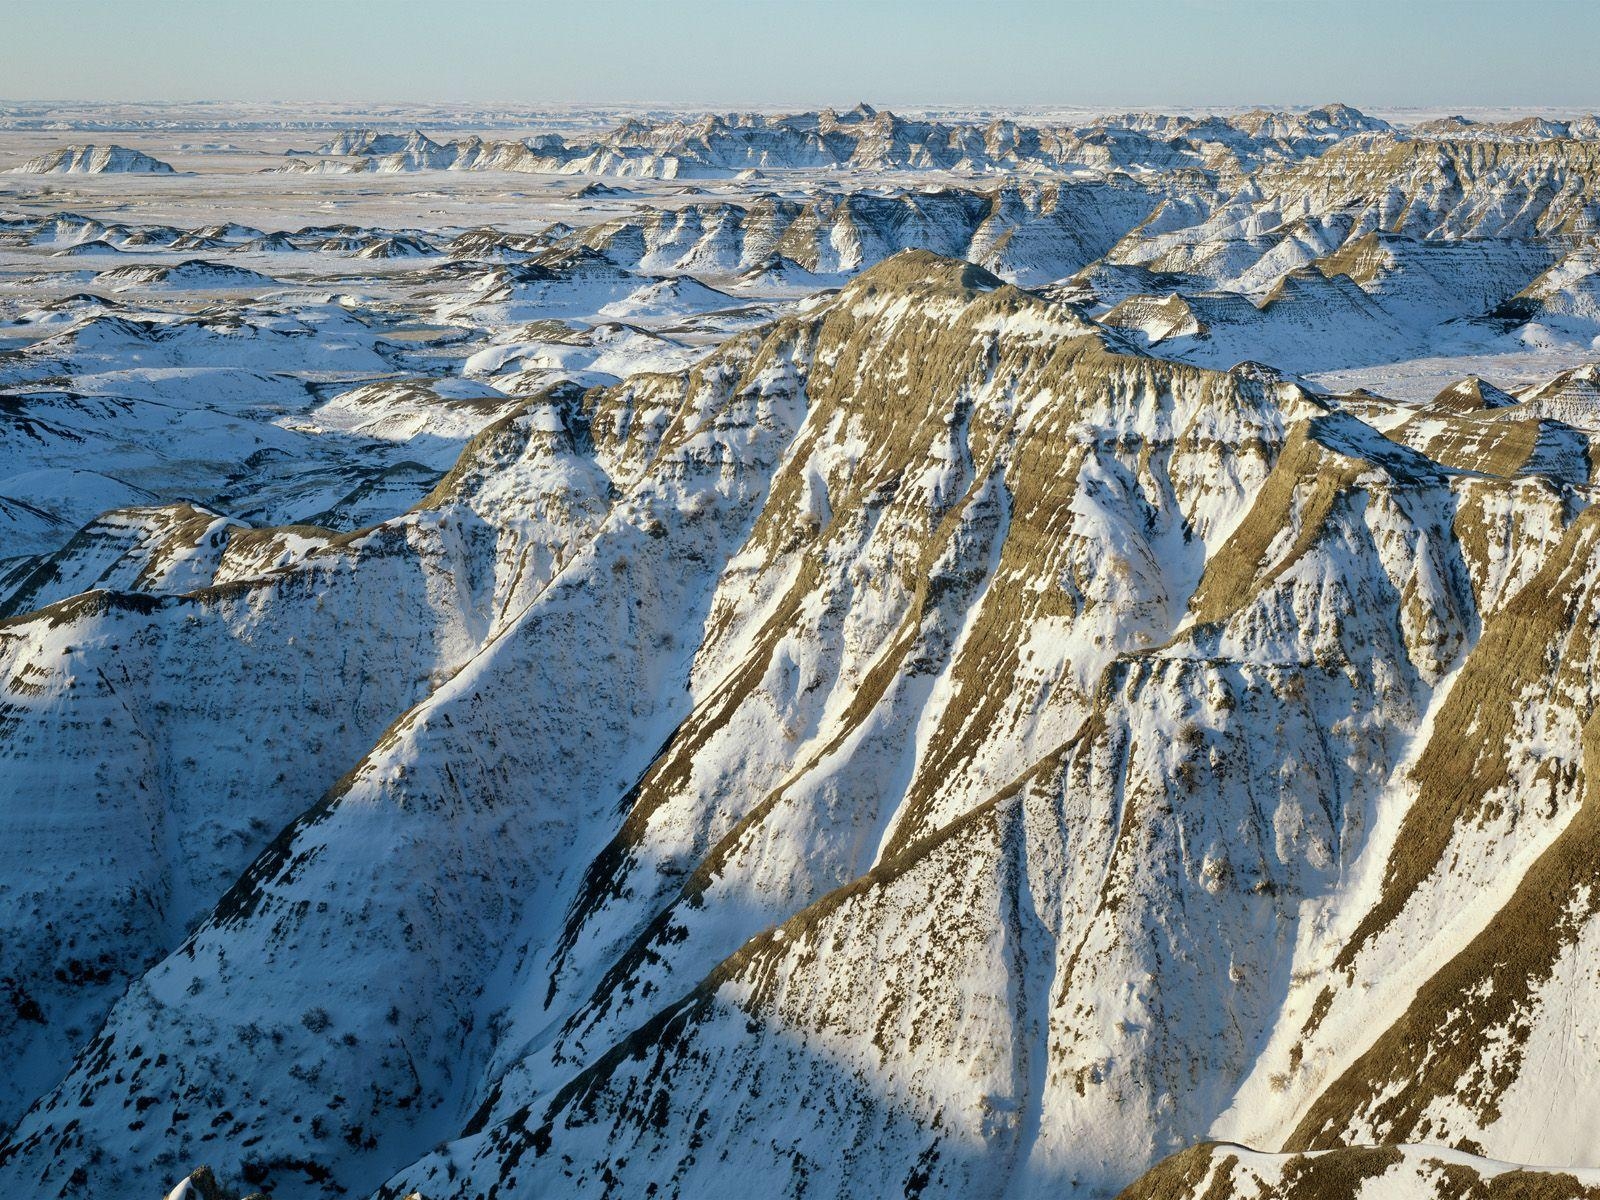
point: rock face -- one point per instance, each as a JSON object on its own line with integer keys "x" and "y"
{"x": 865, "y": 139}
{"x": 1030, "y": 234}
{"x": 1389, "y": 1172}
{"x": 94, "y": 160}
{"x": 857, "y": 690}
{"x": 927, "y": 727}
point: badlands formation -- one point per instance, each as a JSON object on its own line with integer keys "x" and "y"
{"x": 842, "y": 654}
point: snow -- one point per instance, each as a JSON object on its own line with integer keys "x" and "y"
{"x": 848, "y": 673}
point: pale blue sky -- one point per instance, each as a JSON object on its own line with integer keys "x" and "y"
{"x": 726, "y": 53}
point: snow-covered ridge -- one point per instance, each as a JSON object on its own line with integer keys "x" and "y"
{"x": 94, "y": 160}
{"x": 924, "y": 679}
{"x": 866, "y": 139}
{"x": 842, "y": 676}
{"x": 1414, "y": 1172}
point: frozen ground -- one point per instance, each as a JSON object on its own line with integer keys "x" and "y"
{"x": 818, "y": 654}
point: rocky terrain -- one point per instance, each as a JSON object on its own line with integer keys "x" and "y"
{"x": 94, "y": 160}
{"x": 863, "y": 139}
{"x": 946, "y": 659}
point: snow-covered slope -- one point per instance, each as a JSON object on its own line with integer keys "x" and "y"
{"x": 866, "y": 139}
{"x": 858, "y": 689}
{"x": 94, "y": 160}
{"x": 875, "y": 736}
{"x": 1372, "y": 1172}
{"x": 1029, "y": 234}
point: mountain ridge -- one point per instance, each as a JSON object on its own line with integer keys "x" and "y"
{"x": 962, "y": 656}
{"x": 1288, "y": 452}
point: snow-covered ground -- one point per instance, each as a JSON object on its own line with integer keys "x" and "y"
{"x": 838, "y": 654}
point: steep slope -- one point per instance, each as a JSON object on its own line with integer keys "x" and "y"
{"x": 1423, "y": 188}
{"x": 897, "y": 565}
{"x": 1431, "y": 230}
{"x": 94, "y": 160}
{"x": 867, "y": 139}
{"x": 335, "y": 635}
{"x": 801, "y": 1005}
{"x": 1482, "y": 1040}
{"x": 1224, "y": 1171}
{"x": 1028, "y": 234}
{"x": 523, "y": 620}
{"x": 1030, "y": 911}
{"x": 836, "y": 763}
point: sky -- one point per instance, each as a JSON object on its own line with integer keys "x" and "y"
{"x": 765, "y": 53}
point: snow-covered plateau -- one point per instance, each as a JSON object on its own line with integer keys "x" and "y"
{"x": 648, "y": 654}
